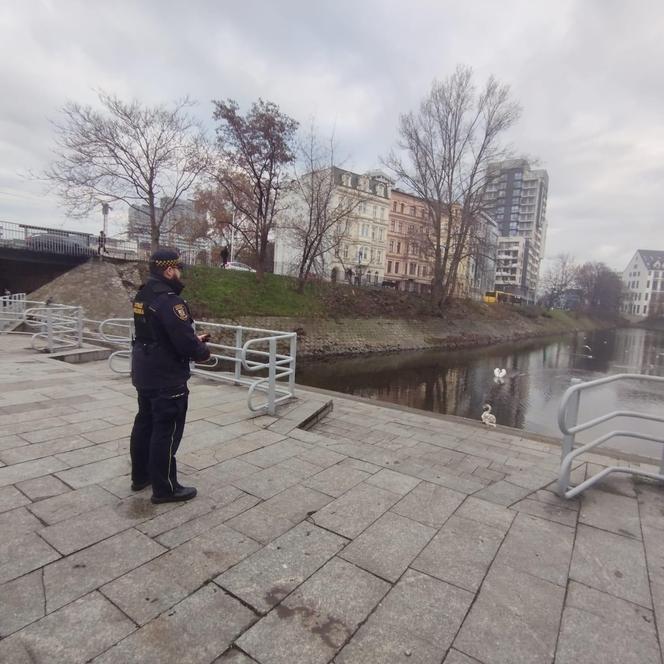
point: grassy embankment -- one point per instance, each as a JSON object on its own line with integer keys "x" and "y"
{"x": 217, "y": 294}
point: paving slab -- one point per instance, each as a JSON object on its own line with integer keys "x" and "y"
{"x": 74, "y": 576}
{"x": 429, "y": 504}
{"x": 456, "y": 657}
{"x": 336, "y": 480}
{"x": 159, "y": 584}
{"x": 538, "y": 547}
{"x": 611, "y": 563}
{"x": 460, "y": 553}
{"x": 269, "y": 575}
{"x": 548, "y": 511}
{"x": 234, "y": 656}
{"x": 260, "y": 524}
{"x": 71, "y": 504}
{"x": 94, "y": 473}
{"x": 486, "y": 512}
{"x": 42, "y": 488}
{"x": 92, "y": 624}
{"x": 388, "y": 546}
{"x": 514, "y": 619}
{"x": 28, "y": 470}
{"x": 393, "y": 481}
{"x": 22, "y": 554}
{"x": 186, "y": 633}
{"x": 416, "y": 622}
{"x": 313, "y": 623}
{"x": 296, "y": 503}
{"x": 17, "y": 522}
{"x": 600, "y": 629}
{"x": 357, "y": 509}
{"x": 202, "y": 524}
{"x": 503, "y": 493}
{"x": 268, "y": 482}
{"x": 22, "y": 602}
{"x": 608, "y": 511}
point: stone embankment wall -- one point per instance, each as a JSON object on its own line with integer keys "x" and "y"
{"x": 347, "y": 336}
{"x": 105, "y": 290}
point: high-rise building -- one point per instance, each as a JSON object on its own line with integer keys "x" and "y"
{"x": 516, "y": 198}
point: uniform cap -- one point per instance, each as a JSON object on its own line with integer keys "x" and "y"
{"x": 163, "y": 258}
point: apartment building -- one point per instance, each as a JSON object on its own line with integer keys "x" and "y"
{"x": 358, "y": 257}
{"x": 516, "y": 198}
{"x": 409, "y": 257}
{"x": 643, "y": 285}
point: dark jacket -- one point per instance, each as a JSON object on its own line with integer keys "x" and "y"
{"x": 165, "y": 341}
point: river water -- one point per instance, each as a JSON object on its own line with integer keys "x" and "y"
{"x": 538, "y": 373}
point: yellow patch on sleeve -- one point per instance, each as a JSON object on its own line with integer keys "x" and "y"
{"x": 138, "y": 309}
{"x": 181, "y": 312}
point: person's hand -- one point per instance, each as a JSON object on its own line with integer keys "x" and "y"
{"x": 203, "y": 337}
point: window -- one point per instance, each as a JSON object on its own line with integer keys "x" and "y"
{"x": 376, "y": 277}
{"x": 645, "y": 310}
{"x": 380, "y": 257}
{"x": 363, "y": 208}
{"x": 391, "y": 246}
{"x": 413, "y": 268}
{"x": 398, "y": 247}
{"x": 389, "y": 264}
{"x": 396, "y": 268}
{"x": 402, "y": 208}
{"x": 412, "y": 210}
{"x": 401, "y": 227}
{"x": 375, "y": 211}
{"x": 382, "y": 213}
{"x": 373, "y": 233}
{"x": 345, "y": 251}
{"x": 373, "y": 254}
{"x": 411, "y": 228}
{"x": 394, "y": 206}
{"x": 381, "y": 234}
{"x": 365, "y": 230}
{"x": 393, "y": 225}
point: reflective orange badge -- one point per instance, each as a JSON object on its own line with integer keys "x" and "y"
{"x": 181, "y": 311}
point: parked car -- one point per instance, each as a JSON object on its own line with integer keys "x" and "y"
{"x": 234, "y": 265}
{"x": 58, "y": 244}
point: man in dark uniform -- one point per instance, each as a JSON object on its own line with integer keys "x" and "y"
{"x": 164, "y": 344}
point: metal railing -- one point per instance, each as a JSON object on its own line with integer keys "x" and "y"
{"x": 11, "y": 310}
{"x": 568, "y": 414}
{"x": 251, "y": 351}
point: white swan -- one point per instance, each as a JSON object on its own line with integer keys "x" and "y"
{"x": 499, "y": 373}
{"x": 588, "y": 348}
{"x": 487, "y": 418}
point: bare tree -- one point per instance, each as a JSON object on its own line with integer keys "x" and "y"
{"x": 443, "y": 154}
{"x": 145, "y": 156}
{"x": 254, "y": 152}
{"x": 559, "y": 278}
{"x": 318, "y": 214}
{"x": 601, "y": 287}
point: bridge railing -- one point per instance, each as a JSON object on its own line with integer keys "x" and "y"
{"x": 568, "y": 415}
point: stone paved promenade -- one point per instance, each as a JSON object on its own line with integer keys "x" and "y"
{"x": 379, "y": 536}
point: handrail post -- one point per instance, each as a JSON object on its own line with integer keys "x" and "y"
{"x": 79, "y": 327}
{"x": 293, "y": 353}
{"x": 49, "y": 330}
{"x": 571, "y": 419}
{"x": 272, "y": 376}
{"x": 238, "y": 354}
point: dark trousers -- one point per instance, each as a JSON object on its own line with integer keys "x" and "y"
{"x": 156, "y": 436}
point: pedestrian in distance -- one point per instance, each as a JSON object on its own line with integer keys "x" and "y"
{"x": 164, "y": 344}
{"x": 224, "y": 256}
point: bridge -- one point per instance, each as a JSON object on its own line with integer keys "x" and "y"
{"x": 31, "y": 256}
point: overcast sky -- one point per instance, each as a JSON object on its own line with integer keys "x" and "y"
{"x": 588, "y": 73}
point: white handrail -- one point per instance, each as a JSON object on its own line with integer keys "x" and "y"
{"x": 568, "y": 413}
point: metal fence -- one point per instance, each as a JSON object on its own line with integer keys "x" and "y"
{"x": 256, "y": 358}
{"x": 568, "y": 414}
{"x": 46, "y": 240}
{"x": 249, "y": 356}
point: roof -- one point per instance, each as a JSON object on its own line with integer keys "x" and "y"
{"x": 652, "y": 259}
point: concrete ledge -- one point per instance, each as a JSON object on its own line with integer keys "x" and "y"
{"x": 81, "y": 355}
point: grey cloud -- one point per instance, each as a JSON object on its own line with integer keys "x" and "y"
{"x": 587, "y": 73}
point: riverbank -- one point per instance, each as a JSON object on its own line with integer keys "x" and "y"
{"x": 355, "y": 336}
{"x": 330, "y": 319}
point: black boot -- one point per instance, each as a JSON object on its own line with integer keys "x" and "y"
{"x": 180, "y": 494}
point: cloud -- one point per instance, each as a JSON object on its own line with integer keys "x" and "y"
{"x": 585, "y": 71}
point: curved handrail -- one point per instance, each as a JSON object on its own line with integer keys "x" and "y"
{"x": 579, "y": 387}
{"x": 569, "y": 406}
